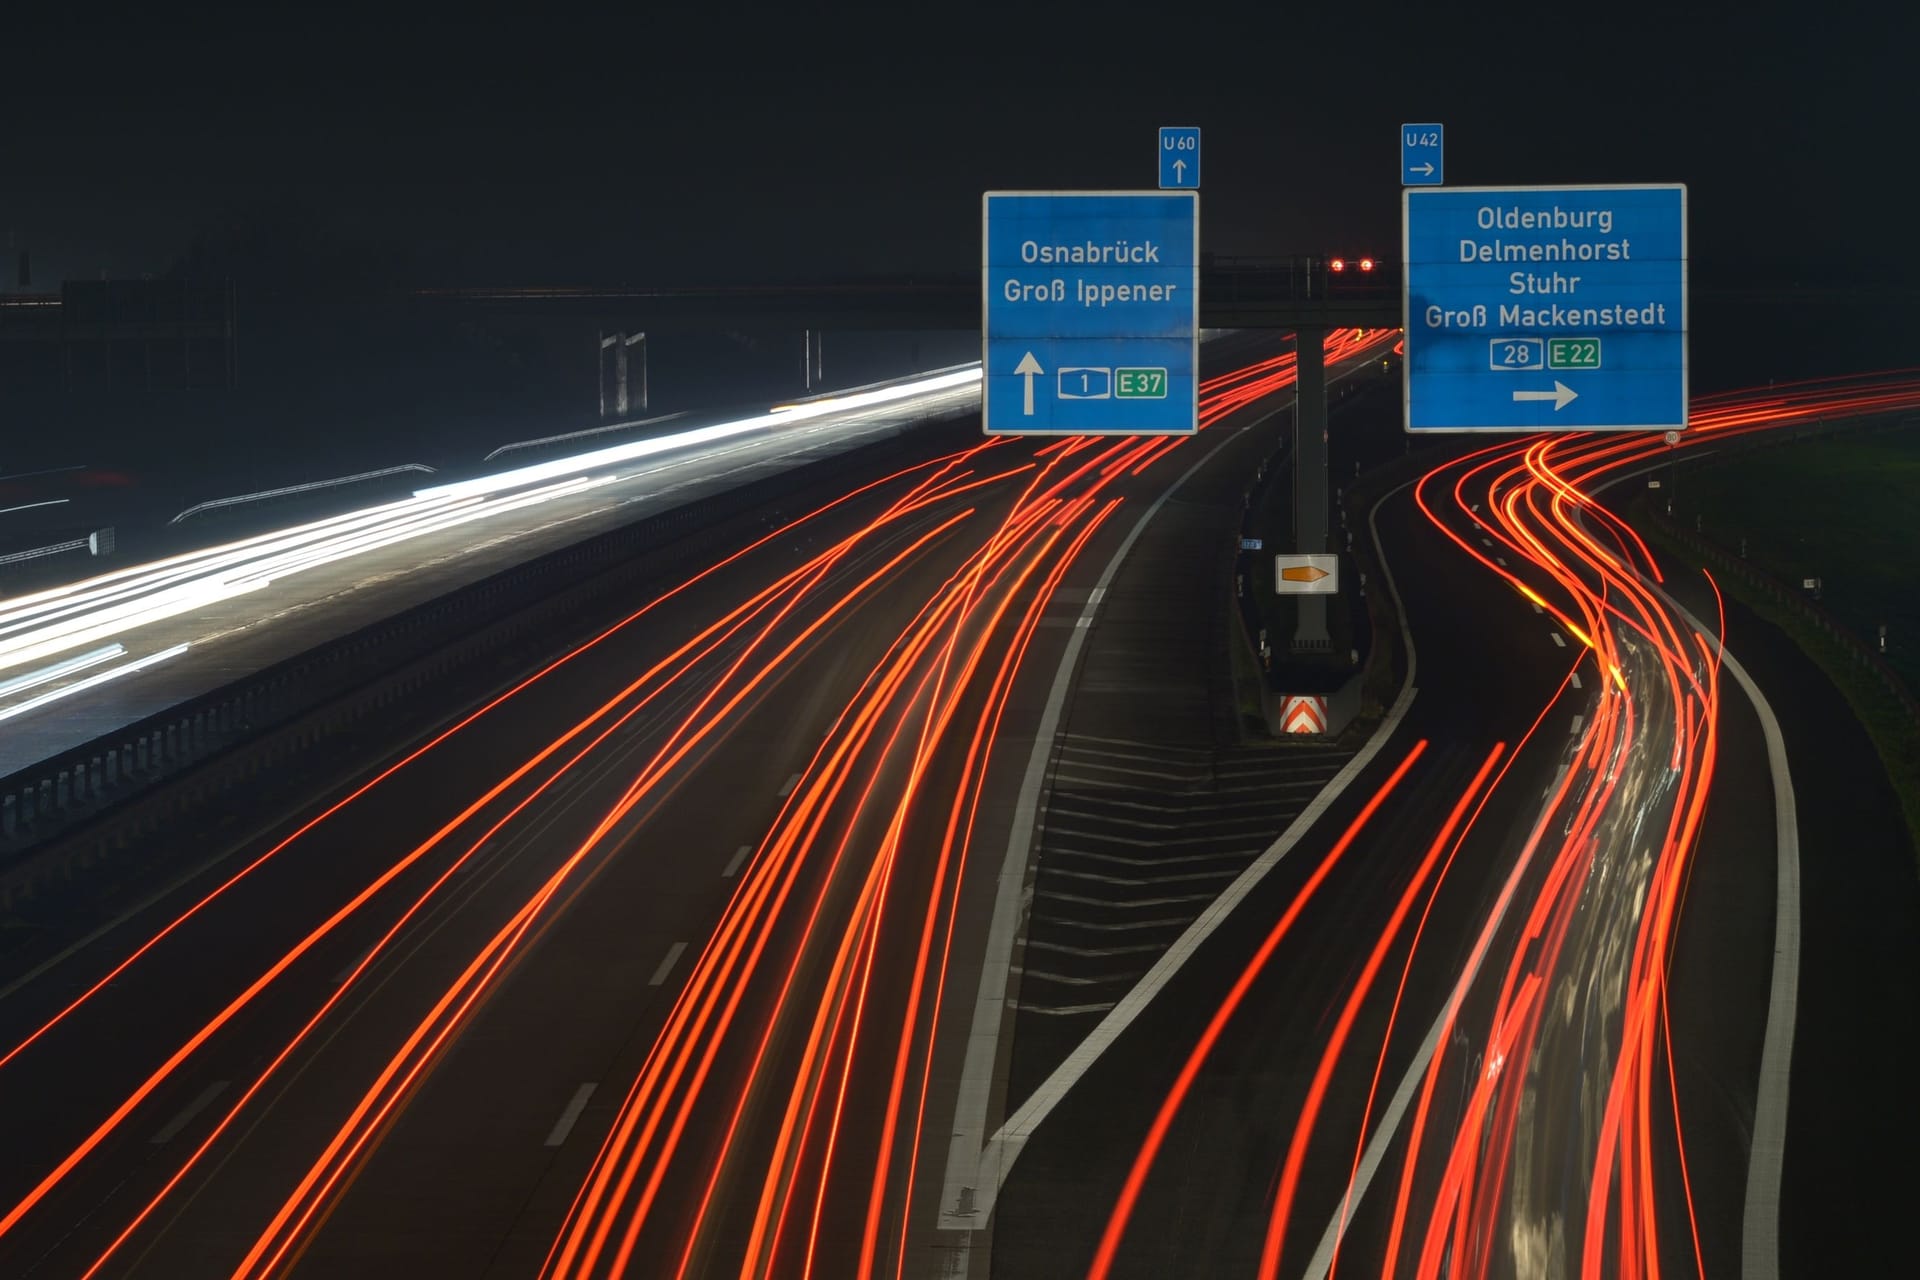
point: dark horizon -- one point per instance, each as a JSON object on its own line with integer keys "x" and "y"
{"x": 671, "y": 150}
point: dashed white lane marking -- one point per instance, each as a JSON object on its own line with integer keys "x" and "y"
{"x": 1536, "y": 606}
{"x": 347, "y": 972}
{"x": 739, "y": 856}
{"x": 185, "y": 1118}
{"x": 1577, "y": 721}
{"x": 1557, "y": 640}
{"x": 791, "y": 783}
{"x": 575, "y": 1105}
{"x": 1576, "y": 679}
{"x": 666, "y": 966}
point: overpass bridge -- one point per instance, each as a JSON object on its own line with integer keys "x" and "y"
{"x": 1235, "y": 293}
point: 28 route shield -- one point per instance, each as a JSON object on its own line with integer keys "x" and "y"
{"x": 1090, "y": 312}
{"x": 1545, "y": 308}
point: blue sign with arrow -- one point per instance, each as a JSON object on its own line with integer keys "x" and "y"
{"x": 1557, "y": 308}
{"x": 1179, "y": 158}
{"x": 1090, "y": 312}
{"x": 1423, "y": 155}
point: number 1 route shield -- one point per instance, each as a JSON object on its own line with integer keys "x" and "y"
{"x": 1545, "y": 308}
{"x": 1090, "y": 312}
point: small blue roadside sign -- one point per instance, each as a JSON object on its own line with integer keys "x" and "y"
{"x": 1179, "y": 158}
{"x": 1090, "y": 312}
{"x": 1545, "y": 308}
{"x": 1423, "y": 155}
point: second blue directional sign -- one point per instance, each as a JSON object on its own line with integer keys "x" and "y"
{"x": 1530, "y": 308}
{"x": 1090, "y": 312}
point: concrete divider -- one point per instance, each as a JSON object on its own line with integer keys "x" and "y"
{"x": 158, "y": 769}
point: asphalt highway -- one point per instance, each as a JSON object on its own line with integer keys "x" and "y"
{"x": 638, "y": 972}
{"x": 685, "y": 958}
{"x": 1272, "y": 1112}
{"x": 197, "y": 619}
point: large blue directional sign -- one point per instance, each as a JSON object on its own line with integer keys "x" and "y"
{"x": 1532, "y": 308}
{"x": 1179, "y": 158}
{"x": 1090, "y": 312}
{"x": 1423, "y": 155}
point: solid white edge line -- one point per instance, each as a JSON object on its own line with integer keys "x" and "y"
{"x": 1766, "y": 1151}
{"x": 996, "y": 1160}
{"x": 571, "y": 1113}
{"x": 967, "y": 1150}
{"x": 666, "y": 965}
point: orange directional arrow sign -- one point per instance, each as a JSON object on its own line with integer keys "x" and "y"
{"x": 1306, "y": 575}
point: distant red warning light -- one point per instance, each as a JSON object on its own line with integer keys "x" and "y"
{"x": 1338, "y": 264}
{"x": 1366, "y": 264}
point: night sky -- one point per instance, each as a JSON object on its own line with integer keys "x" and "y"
{"x": 818, "y": 143}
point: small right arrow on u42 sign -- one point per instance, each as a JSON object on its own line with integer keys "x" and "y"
{"x": 1561, "y": 395}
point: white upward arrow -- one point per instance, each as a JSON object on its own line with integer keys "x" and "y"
{"x": 1028, "y": 368}
{"x": 1560, "y": 395}
{"x": 1179, "y": 170}
{"x": 1424, "y": 170}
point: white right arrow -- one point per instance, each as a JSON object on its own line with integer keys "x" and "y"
{"x": 1560, "y": 395}
{"x": 1028, "y": 368}
{"x": 1424, "y": 170}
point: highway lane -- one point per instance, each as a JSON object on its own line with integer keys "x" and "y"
{"x": 1562, "y": 1113}
{"x": 1205, "y": 1211}
{"x": 243, "y": 605}
{"x": 543, "y": 1046}
{"x": 145, "y": 1010}
{"x": 1858, "y": 1026}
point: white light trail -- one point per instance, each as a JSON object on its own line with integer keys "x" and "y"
{"x": 93, "y": 681}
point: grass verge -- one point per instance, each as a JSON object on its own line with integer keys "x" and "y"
{"x": 1894, "y": 734}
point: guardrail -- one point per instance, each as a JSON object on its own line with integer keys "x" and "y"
{"x": 1794, "y": 600}
{"x": 295, "y": 490}
{"x": 86, "y": 803}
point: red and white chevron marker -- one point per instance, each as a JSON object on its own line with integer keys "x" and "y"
{"x": 1303, "y": 714}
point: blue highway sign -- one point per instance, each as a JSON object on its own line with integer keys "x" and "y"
{"x": 1423, "y": 155}
{"x": 1557, "y": 308}
{"x": 1090, "y": 312}
{"x": 1179, "y": 158}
